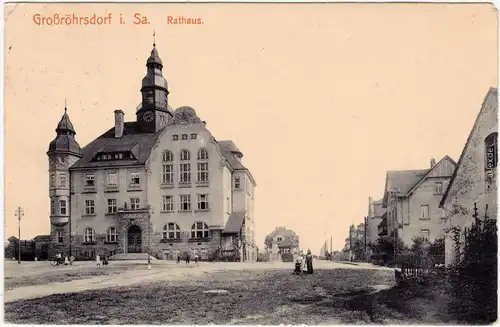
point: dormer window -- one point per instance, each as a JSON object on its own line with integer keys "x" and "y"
{"x": 175, "y": 137}
{"x": 193, "y": 136}
{"x": 184, "y": 136}
{"x": 89, "y": 180}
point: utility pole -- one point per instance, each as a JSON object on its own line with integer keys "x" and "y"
{"x": 366, "y": 220}
{"x": 350, "y": 243}
{"x": 331, "y": 249}
{"x": 19, "y": 214}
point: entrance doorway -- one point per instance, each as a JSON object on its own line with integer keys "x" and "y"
{"x": 134, "y": 239}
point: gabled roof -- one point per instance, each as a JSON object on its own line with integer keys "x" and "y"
{"x": 401, "y": 181}
{"x": 282, "y": 231}
{"x": 40, "y": 238}
{"x": 229, "y": 149}
{"x": 234, "y": 223}
{"x": 133, "y": 138}
{"x": 414, "y": 187}
{"x": 491, "y": 92}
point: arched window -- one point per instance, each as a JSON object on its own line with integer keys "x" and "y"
{"x": 491, "y": 153}
{"x": 168, "y": 156}
{"x": 171, "y": 231}
{"x": 202, "y": 166}
{"x": 185, "y": 155}
{"x": 185, "y": 167}
{"x": 112, "y": 235}
{"x": 202, "y": 154}
{"x": 89, "y": 235}
{"x": 199, "y": 230}
{"x": 167, "y": 176}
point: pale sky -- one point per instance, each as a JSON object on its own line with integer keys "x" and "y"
{"x": 322, "y": 99}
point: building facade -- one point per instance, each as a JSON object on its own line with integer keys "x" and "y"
{"x": 161, "y": 184}
{"x": 281, "y": 235}
{"x": 474, "y": 180}
{"x": 411, "y": 199}
{"x": 373, "y": 220}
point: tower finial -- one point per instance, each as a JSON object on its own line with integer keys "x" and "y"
{"x": 65, "y": 107}
{"x": 154, "y": 38}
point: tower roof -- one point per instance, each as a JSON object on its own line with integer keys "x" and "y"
{"x": 65, "y": 125}
{"x": 65, "y": 140}
{"x": 154, "y": 58}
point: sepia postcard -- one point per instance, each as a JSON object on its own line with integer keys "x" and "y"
{"x": 250, "y": 163}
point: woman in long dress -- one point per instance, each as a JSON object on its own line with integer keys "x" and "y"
{"x": 309, "y": 262}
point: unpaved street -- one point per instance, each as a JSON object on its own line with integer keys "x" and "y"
{"x": 168, "y": 293}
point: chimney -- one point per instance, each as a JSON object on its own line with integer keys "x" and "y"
{"x": 119, "y": 122}
{"x": 433, "y": 162}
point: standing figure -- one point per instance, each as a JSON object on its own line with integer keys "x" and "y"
{"x": 196, "y": 258}
{"x": 309, "y": 262}
{"x": 178, "y": 258}
{"x": 187, "y": 258}
{"x": 98, "y": 260}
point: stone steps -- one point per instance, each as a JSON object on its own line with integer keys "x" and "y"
{"x": 130, "y": 256}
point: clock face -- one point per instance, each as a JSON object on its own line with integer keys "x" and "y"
{"x": 148, "y": 116}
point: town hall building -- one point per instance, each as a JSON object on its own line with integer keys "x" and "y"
{"x": 161, "y": 184}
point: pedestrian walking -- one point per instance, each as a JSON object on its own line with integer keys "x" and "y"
{"x": 196, "y": 259}
{"x": 187, "y": 258}
{"x": 178, "y": 259}
{"x": 98, "y": 261}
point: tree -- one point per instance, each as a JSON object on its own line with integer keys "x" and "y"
{"x": 436, "y": 251}
{"x": 358, "y": 249}
{"x": 385, "y": 247}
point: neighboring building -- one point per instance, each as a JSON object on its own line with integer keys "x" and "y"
{"x": 373, "y": 220}
{"x": 412, "y": 197}
{"x": 161, "y": 184}
{"x": 382, "y": 227}
{"x": 474, "y": 180}
{"x": 278, "y": 236}
{"x": 324, "y": 250}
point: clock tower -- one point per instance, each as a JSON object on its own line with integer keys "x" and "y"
{"x": 153, "y": 113}
{"x": 63, "y": 152}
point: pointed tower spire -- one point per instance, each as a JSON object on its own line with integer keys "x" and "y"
{"x": 65, "y": 140}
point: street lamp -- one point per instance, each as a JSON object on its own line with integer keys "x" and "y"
{"x": 19, "y": 214}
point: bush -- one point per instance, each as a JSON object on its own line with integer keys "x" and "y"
{"x": 473, "y": 277}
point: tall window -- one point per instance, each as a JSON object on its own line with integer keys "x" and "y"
{"x": 171, "y": 231}
{"x": 62, "y": 207}
{"x": 203, "y": 202}
{"x": 60, "y": 236}
{"x": 439, "y": 188}
{"x": 425, "y": 233}
{"x": 62, "y": 180}
{"x": 112, "y": 206}
{"x": 89, "y": 235}
{"x": 202, "y": 166}
{"x": 185, "y": 167}
{"x": 491, "y": 153}
{"x": 52, "y": 207}
{"x": 199, "y": 230}
{"x": 112, "y": 179}
{"x": 237, "y": 183}
{"x": 186, "y": 202}
{"x": 135, "y": 203}
{"x": 52, "y": 180}
{"x": 135, "y": 179}
{"x": 112, "y": 236}
{"x": 89, "y": 207}
{"x": 424, "y": 212}
{"x": 168, "y": 203}
{"x": 168, "y": 167}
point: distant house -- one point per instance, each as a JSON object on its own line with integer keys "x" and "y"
{"x": 474, "y": 180}
{"x": 373, "y": 220}
{"x": 411, "y": 199}
{"x": 281, "y": 235}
